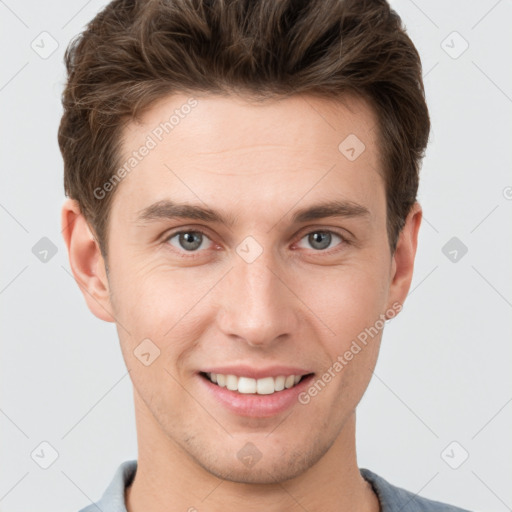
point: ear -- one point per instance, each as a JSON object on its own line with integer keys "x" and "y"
{"x": 403, "y": 259}
{"x": 86, "y": 261}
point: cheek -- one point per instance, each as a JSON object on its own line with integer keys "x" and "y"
{"x": 346, "y": 299}
{"x": 151, "y": 295}
{"x": 350, "y": 303}
{"x": 155, "y": 301}
{"x": 166, "y": 306}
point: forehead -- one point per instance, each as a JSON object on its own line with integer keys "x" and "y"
{"x": 227, "y": 149}
{"x": 214, "y": 123}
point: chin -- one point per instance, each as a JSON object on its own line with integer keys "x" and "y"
{"x": 267, "y": 467}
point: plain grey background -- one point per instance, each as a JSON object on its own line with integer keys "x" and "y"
{"x": 437, "y": 416}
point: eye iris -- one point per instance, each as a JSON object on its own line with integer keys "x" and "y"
{"x": 322, "y": 238}
{"x": 190, "y": 240}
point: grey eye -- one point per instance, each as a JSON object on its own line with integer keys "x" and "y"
{"x": 321, "y": 240}
{"x": 188, "y": 240}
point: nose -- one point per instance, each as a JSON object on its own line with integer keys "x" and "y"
{"x": 256, "y": 304}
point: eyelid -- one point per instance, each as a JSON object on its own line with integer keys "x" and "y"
{"x": 185, "y": 229}
{"x": 324, "y": 229}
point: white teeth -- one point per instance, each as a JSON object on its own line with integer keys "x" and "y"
{"x": 265, "y": 386}
{"x": 231, "y": 382}
{"x": 279, "y": 383}
{"x": 247, "y": 385}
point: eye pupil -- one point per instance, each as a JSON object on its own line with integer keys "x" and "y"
{"x": 190, "y": 240}
{"x": 321, "y": 238}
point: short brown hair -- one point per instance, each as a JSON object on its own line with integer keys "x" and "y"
{"x": 136, "y": 52}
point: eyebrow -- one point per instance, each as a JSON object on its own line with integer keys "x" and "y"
{"x": 167, "y": 209}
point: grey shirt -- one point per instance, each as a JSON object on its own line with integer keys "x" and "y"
{"x": 392, "y": 499}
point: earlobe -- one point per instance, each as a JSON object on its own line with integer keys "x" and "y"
{"x": 404, "y": 256}
{"x": 87, "y": 263}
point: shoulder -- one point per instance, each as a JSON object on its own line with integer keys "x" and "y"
{"x": 394, "y": 499}
{"x": 113, "y": 498}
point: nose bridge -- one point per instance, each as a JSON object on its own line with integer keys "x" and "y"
{"x": 256, "y": 305}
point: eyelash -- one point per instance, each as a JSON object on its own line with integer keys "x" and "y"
{"x": 196, "y": 253}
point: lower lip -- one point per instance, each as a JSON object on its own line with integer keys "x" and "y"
{"x": 253, "y": 405}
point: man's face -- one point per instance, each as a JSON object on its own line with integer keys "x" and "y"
{"x": 258, "y": 293}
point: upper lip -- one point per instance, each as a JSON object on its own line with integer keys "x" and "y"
{"x": 257, "y": 373}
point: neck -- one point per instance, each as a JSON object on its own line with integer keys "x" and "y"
{"x": 168, "y": 479}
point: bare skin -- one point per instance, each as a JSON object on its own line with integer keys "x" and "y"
{"x": 295, "y": 304}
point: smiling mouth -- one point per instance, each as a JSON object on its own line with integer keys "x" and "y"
{"x": 248, "y": 385}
